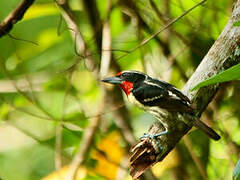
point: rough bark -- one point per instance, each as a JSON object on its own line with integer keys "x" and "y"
{"x": 223, "y": 54}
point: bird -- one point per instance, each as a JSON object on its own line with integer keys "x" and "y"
{"x": 155, "y": 96}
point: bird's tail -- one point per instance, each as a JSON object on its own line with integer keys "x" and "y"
{"x": 207, "y": 130}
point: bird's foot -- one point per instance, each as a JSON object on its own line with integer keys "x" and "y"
{"x": 154, "y": 138}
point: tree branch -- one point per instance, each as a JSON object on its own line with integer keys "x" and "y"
{"x": 222, "y": 55}
{"x": 15, "y": 16}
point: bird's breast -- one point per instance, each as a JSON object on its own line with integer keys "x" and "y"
{"x": 134, "y": 101}
{"x": 154, "y": 110}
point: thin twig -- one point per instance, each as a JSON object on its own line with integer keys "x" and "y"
{"x": 24, "y": 40}
{"x": 165, "y": 19}
{"x": 106, "y": 44}
{"x": 162, "y": 29}
{"x": 81, "y": 47}
{"x": 196, "y": 160}
{"x": 81, "y": 155}
{"x": 32, "y": 100}
{"x": 24, "y": 111}
{"x": 58, "y": 146}
{"x": 15, "y": 16}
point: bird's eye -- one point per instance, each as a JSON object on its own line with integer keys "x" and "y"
{"x": 123, "y": 75}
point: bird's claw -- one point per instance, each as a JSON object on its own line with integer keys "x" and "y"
{"x": 145, "y": 135}
{"x": 154, "y": 138}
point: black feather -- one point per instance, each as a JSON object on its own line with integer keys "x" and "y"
{"x": 153, "y": 92}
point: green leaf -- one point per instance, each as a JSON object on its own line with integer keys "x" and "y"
{"x": 48, "y": 59}
{"x": 230, "y": 74}
{"x": 237, "y": 23}
{"x": 236, "y": 171}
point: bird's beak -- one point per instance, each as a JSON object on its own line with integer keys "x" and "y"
{"x": 113, "y": 80}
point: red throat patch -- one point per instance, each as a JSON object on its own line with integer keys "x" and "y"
{"x": 127, "y": 87}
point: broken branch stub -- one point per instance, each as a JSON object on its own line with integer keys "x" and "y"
{"x": 148, "y": 151}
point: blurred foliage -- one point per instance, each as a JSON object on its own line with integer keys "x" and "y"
{"x": 50, "y": 93}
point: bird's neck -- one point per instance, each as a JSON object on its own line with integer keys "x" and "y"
{"x": 127, "y": 87}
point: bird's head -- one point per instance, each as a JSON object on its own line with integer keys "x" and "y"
{"x": 126, "y": 79}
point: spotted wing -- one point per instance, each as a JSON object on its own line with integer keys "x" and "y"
{"x": 171, "y": 89}
{"x": 163, "y": 95}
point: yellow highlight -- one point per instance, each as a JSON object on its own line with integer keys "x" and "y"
{"x": 172, "y": 160}
{"x": 62, "y": 174}
{"x": 37, "y": 10}
{"x": 107, "y": 165}
{"x": 82, "y": 77}
{"x": 109, "y": 159}
{"x": 48, "y": 38}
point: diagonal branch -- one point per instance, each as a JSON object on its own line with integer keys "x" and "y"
{"x": 81, "y": 47}
{"x": 222, "y": 55}
{"x": 145, "y": 41}
{"x": 15, "y": 16}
